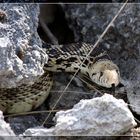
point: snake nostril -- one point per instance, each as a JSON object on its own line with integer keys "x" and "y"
{"x": 112, "y": 85}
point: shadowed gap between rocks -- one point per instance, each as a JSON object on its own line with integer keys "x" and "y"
{"x": 55, "y": 20}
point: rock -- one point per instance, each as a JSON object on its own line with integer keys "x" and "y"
{"x": 21, "y": 55}
{"x": 121, "y": 42}
{"x": 100, "y": 116}
{"x": 38, "y": 131}
{"x": 5, "y": 129}
{"x": 21, "y": 123}
{"x": 118, "y": 44}
{"x": 133, "y": 97}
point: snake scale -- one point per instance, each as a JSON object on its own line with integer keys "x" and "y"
{"x": 62, "y": 58}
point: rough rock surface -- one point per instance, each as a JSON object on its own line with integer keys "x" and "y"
{"x": 21, "y": 56}
{"x": 5, "y": 129}
{"x": 134, "y": 96}
{"x": 122, "y": 41}
{"x": 87, "y": 21}
{"x": 99, "y": 116}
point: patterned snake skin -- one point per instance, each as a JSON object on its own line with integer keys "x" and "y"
{"x": 62, "y": 58}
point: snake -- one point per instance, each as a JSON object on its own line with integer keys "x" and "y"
{"x": 61, "y": 58}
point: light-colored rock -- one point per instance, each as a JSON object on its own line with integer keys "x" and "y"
{"x": 5, "y": 129}
{"x": 21, "y": 55}
{"x": 39, "y": 131}
{"x": 101, "y": 116}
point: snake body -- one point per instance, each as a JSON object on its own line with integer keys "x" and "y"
{"x": 62, "y": 58}
{"x": 98, "y": 67}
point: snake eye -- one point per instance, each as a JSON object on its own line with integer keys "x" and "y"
{"x": 117, "y": 71}
{"x": 93, "y": 74}
{"x": 101, "y": 74}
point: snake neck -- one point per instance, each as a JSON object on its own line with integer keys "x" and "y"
{"x": 67, "y": 64}
{"x": 74, "y": 57}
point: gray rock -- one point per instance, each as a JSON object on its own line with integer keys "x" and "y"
{"x": 122, "y": 41}
{"x": 5, "y": 129}
{"x": 21, "y": 56}
{"x": 85, "y": 21}
{"x": 133, "y": 96}
{"x": 100, "y": 116}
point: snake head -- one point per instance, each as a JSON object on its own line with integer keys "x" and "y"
{"x": 105, "y": 73}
